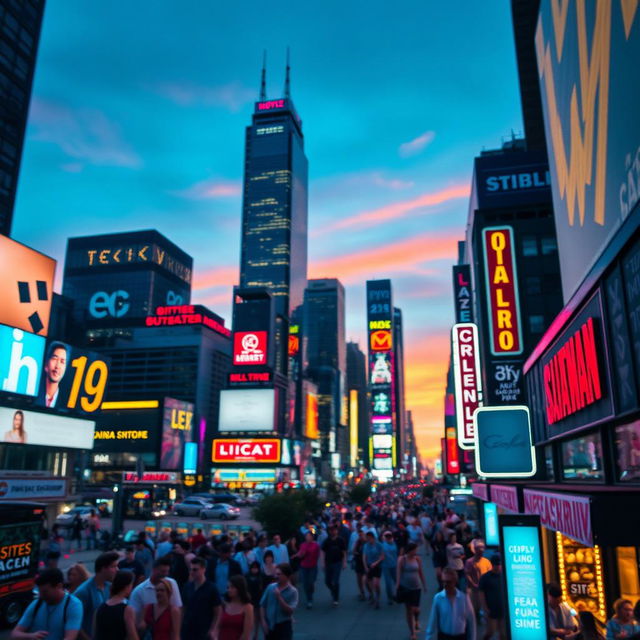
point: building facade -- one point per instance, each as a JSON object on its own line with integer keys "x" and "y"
{"x": 20, "y": 24}
{"x": 359, "y": 425}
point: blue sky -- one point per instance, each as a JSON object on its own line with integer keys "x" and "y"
{"x": 138, "y": 116}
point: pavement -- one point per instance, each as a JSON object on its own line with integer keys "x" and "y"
{"x": 351, "y": 620}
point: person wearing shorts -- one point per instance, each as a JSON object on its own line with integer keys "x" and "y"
{"x": 409, "y": 584}
{"x": 372, "y": 556}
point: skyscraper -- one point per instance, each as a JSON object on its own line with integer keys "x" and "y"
{"x": 274, "y": 210}
{"x": 324, "y": 336}
{"x": 20, "y": 24}
{"x": 358, "y": 401}
{"x": 402, "y": 451}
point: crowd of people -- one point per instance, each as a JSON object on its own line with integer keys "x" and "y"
{"x": 221, "y": 588}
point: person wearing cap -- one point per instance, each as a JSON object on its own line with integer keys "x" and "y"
{"x": 492, "y": 599}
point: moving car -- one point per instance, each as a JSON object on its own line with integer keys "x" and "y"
{"x": 220, "y": 510}
{"x": 191, "y": 506}
{"x": 65, "y": 520}
{"x": 227, "y": 498}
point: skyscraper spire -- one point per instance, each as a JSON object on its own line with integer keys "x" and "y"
{"x": 287, "y": 81}
{"x": 263, "y": 84}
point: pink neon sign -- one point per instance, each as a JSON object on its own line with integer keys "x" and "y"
{"x": 270, "y": 104}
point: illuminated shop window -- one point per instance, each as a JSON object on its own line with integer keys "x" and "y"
{"x": 582, "y": 458}
{"x": 628, "y": 452}
{"x": 627, "y": 559}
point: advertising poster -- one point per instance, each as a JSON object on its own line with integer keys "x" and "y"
{"x": 26, "y": 287}
{"x": 247, "y": 410}
{"x": 249, "y": 347}
{"x": 19, "y": 549}
{"x": 177, "y": 429}
{"x": 21, "y": 357}
{"x": 491, "y": 534}
{"x": 28, "y": 427}
{"x": 522, "y": 565}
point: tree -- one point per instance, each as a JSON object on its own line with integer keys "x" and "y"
{"x": 284, "y": 513}
{"x": 359, "y": 493}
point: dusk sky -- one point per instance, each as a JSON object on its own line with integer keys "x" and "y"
{"x": 137, "y": 121}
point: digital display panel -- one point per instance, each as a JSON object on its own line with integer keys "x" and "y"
{"x": 523, "y": 563}
{"x": 247, "y": 410}
{"x": 45, "y": 429}
{"x": 462, "y": 293}
{"x": 26, "y": 287}
{"x": 250, "y": 347}
{"x": 246, "y": 450}
{"x": 134, "y": 431}
{"x": 177, "y": 429}
{"x": 21, "y": 358}
{"x": 491, "y": 535}
{"x": 453, "y": 457}
{"x": 190, "y": 465}
{"x": 312, "y": 430}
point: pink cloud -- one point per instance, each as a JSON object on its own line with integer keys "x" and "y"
{"x": 83, "y": 134}
{"x": 415, "y": 146}
{"x": 400, "y": 209}
{"x": 232, "y": 96}
{"x": 215, "y": 277}
{"x": 210, "y": 189}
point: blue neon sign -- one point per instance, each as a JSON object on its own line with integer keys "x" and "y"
{"x": 525, "y": 582}
{"x": 190, "y": 458}
{"x": 491, "y": 524}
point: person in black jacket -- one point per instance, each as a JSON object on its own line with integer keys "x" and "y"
{"x": 221, "y": 567}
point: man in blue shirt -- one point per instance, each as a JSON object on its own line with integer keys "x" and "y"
{"x": 221, "y": 567}
{"x": 95, "y": 591}
{"x": 389, "y": 564}
{"x": 277, "y": 605}
{"x": 55, "y": 615}
{"x": 372, "y": 556}
{"x": 452, "y": 616}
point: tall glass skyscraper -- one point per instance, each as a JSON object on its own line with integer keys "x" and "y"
{"x": 19, "y": 35}
{"x": 274, "y": 211}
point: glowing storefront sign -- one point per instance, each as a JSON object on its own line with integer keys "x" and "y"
{"x": 249, "y": 450}
{"x": 453, "y": 460}
{"x": 523, "y": 563}
{"x": 502, "y": 291}
{"x": 572, "y": 376}
{"x": 468, "y": 386}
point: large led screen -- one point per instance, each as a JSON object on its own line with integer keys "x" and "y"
{"x": 177, "y": 430}
{"x": 247, "y": 410}
{"x": 28, "y": 427}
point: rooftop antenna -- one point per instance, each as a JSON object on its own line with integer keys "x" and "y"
{"x": 287, "y": 80}
{"x": 263, "y": 84}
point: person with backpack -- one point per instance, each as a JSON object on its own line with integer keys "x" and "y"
{"x": 55, "y": 615}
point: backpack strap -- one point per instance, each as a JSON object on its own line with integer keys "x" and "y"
{"x": 35, "y": 612}
{"x": 67, "y": 600}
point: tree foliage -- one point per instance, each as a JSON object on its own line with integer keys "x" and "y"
{"x": 359, "y": 493}
{"x": 285, "y": 512}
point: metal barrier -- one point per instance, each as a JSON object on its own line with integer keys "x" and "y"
{"x": 187, "y": 529}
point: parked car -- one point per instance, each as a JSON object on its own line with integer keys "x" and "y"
{"x": 220, "y": 510}
{"x": 191, "y": 506}
{"x": 65, "y": 520}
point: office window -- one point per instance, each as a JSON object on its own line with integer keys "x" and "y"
{"x": 533, "y": 285}
{"x": 548, "y": 246}
{"x": 529, "y": 246}
{"x": 536, "y": 324}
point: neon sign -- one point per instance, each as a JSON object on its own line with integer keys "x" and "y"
{"x": 169, "y": 316}
{"x": 250, "y": 347}
{"x": 453, "y": 461}
{"x": 462, "y": 293}
{"x": 466, "y": 374}
{"x": 256, "y": 450}
{"x": 502, "y": 291}
{"x": 270, "y": 104}
{"x": 253, "y": 376}
{"x": 380, "y": 340}
{"x": 572, "y": 376}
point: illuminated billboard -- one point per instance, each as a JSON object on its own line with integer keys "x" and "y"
{"x": 462, "y": 293}
{"x": 453, "y": 458}
{"x": 21, "y": 358}
{"x": 587, "y": 59}
{"x": 249, "y": 347}
{"x": 312, "y": 430}
{"x": 353, "y": 427}
{"x": 247, "y": 410}
{"x": 502, "y": 291}
{"x": 380, "y": 340}
{"x": 187, "y": 314}
{"x": 45, "y": 429}
{"x": 467, "y": 379}
{"x": 177, "y": 429}
{"x": 294, "y": 340}
{"x": 248, "y": 450}
{"x": 26, "y": 287}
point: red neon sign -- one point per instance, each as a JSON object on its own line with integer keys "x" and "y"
{"x": 270, "y": 104}
{"x": 294, "y": 345}
{"x": 466, "y": 375}
{"x": 184, "y": 314}
{"x": 572, "y": 376}
{"x": 502, "y": 291}
{"x": 250, "y": 347}
{"x": 255, "y": 450}
{"x": 380, "y": 340}
{"x": 453, "y": 460}
{"x": 254, "y": 376}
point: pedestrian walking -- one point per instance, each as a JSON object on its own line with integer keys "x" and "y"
{"x": 492, "y": 599}
{"x": 455, "y": 557}
{"x": 372, "y": 556}
{"x": 144, "y": 556}
{"x": 95, "y": 591}
{"x": 409, "y": 584}
{"x": 474, "y": 568}
{"x": 277, "y": 605}
{"x": 279, "y": 550}
{"x": 115, "y": 619}
{"x": 76, "y": 575}
{"x": 389, "y": 565}
{"x": 129, "y": 563}
{"x": 77, "y": 526}
{"x": 452, "y": 616}
{"x": 256, "y": 584}
{"x": 335, "y": 559}
{"x": 309, "y": 555}
{"x": 145, "y": 593}
{"x": 269, "y": 566}
{"x": 93, "y": 526}
{"x": 55, "y": 614}
{"x": 235, "y": 621}
{"x": 201, "y": 603}
{"x": 221, "y": 567}
{"x": 161, "y": 619}
{"x": 622, "y": 624}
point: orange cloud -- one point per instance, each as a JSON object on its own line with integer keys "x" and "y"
{"x": 399, "y": 209}
{"x": 394, "y": 257}
{"x": 426, "y": 372}
{"x": 215, "y": 277}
